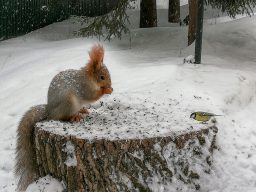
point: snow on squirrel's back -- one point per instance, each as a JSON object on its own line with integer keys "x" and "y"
{"x": 129, "y": 117}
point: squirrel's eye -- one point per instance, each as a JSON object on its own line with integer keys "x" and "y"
{"x": 102, "y": 77}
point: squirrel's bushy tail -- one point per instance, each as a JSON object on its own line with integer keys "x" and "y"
{"x": 26, "y": 168}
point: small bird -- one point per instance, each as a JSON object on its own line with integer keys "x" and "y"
{"x": 202, "y": 116}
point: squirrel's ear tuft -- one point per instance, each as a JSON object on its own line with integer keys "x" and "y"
{"x": 96, "y": 58}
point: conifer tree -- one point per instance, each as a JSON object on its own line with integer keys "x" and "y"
{"x": 233, "y": 7}
{"x": 108, "y": 26}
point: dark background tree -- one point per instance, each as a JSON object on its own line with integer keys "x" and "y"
{"x": 115, "y": 23}
{"x": 18, "y": 17}
{"x": 174, "y": 11}
{"x": 148, "y": 13}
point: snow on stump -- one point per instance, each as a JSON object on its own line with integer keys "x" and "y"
{"x": 141, "y": 146}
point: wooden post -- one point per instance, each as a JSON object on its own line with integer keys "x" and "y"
{"x": 199, "y": 31}
{"x": 192, "y": 21}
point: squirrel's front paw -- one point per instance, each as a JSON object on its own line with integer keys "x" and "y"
{"x": 76, "y": 118}
{"x": 84, "y": 111}
{"x": 108, "y": 90}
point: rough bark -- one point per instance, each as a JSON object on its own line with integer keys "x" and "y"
{"x": 148, "y": 13}
{"x": 124, "y": 165}
{"x": 192, "y": 21}
{"x": 174, "y": 11}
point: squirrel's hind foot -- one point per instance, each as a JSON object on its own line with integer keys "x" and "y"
{"x": 79, "y": 116}
{"x": 76, "y": 118}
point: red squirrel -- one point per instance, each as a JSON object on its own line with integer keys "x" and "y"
{"x": 67, "y": 93}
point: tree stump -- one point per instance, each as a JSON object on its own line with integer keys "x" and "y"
{"x": 113, "y": 149}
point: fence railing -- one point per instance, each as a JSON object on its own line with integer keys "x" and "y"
{"x": 18, "y": 17}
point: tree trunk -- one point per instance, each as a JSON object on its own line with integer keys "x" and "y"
{"x": 192, "y": 21}
{"x": 148, "y": 13}
{"x": 174, "y": 11}
{"x": 124, "y": 165}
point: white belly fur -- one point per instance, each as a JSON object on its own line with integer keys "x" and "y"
{"x": 77, "y": 104}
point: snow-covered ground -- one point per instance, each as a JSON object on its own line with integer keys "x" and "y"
{"x": 150, "y": 66}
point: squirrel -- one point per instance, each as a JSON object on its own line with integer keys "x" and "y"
{"x": 68, "y": 92}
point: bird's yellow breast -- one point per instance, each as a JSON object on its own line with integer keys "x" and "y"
{"x": 202, "y": 118}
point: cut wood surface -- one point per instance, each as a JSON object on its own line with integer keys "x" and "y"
{"x": 117, "y": 160}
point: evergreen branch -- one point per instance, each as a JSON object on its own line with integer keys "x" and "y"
{"x": 108, "y": 26}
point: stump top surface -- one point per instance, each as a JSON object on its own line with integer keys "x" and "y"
{"x": 129, "y": 117}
